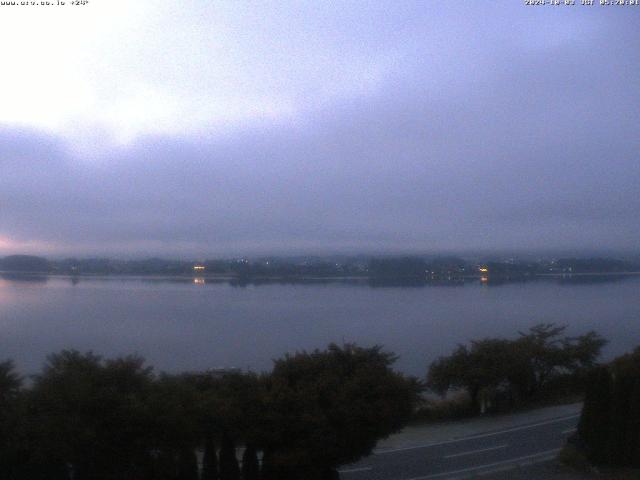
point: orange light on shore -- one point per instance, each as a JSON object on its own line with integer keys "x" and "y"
{"x": 483, "y": 269}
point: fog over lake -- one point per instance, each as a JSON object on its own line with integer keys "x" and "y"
{"x": 184, "y": 326}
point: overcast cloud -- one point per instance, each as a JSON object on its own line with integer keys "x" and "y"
{"x": 215, "y": 128}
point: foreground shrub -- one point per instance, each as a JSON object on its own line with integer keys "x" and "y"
{"x": 89, "y": 418}
{"x": 328, "y": 408}
{"x": 609, "y": 428}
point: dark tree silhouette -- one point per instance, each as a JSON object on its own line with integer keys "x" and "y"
{"x": 610, "y": 421}
{"x": 328, "y": 408}
{"x": 11, "y": 420}
{"x": 85, "y": 417}
{"x": 229, "y": 469}
{"x": 95, "y": 412}
{"x": 250, "y": 466}
{"x": 209, "y": 460}
{"x": 524, "y": 367}
{"x": 595, "y": 414}
{"x": 187, "y": 465}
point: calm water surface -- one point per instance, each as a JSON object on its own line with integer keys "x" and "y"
{"x": 183, "y": 325}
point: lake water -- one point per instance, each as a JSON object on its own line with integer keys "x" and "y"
{"x": 185, "y": 325}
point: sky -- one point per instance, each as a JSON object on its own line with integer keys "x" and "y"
{"x": 203, "y": 128}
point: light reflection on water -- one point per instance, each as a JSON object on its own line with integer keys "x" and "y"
{"x": 197, "y": 323}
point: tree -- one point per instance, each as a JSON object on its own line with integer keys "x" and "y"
{"x": 543, "y": 348}
{"x": 229, "y": 469}
{"x": 86, "y": 417}
{"x": 521, "y": 368}
{"x": 268, "y": 471}
{"x": 209, "y": 460}
{"x": 583, "y": 351}
{"x": 250, "y": 466}
{"x": 231, "y": 404}
{"x": 11, "y": 418}
{"x": 609, "y": 427}
{"x": 10, "y": 382}
{"x": 328, "y": 408}
{"x": 450, "y": 372}
{"x": 95, "y": 410}
{"x": 623, "y": 433}
{"x": 187, "y": 464}
{"x": 486, "y": 366}
{"x": 230, "y": 410}
{"x": 551, "y": 355}
{"x": 634, "y": 425}
{"x": 595, "y": 414}
{"x": 173, "y": 408}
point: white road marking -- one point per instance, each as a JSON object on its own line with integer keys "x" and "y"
{"x": 352, "y": 470}
{"x": 482, "y": 435}
{"x": 531, "y": 459}
{"x": 568, "y": 430}
{"x": 471, "y": 452}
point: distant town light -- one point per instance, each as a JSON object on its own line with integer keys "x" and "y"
{"x": 483, "y": 269}
{"x": 199, "y": 268}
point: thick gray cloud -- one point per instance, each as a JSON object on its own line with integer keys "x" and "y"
{"x": 487, "y": 129}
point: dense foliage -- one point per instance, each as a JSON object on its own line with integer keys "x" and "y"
{"x": 519, "y": 369}
{"x": 609, "y": 427}
{"x": 85, "y": 417}
{"x": 329, "y": 408}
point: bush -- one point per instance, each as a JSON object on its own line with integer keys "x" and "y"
{"x": 115, "y": 419}
{"x": 609, "y": 426}
{"x": 328, "y": 408}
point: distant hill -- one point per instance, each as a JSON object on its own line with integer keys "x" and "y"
{"x": 24, "y": 263}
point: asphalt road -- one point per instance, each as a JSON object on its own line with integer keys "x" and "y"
{"x": 471, "y": 456}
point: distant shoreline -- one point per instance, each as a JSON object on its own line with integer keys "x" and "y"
{"x": 307, "y": 278}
